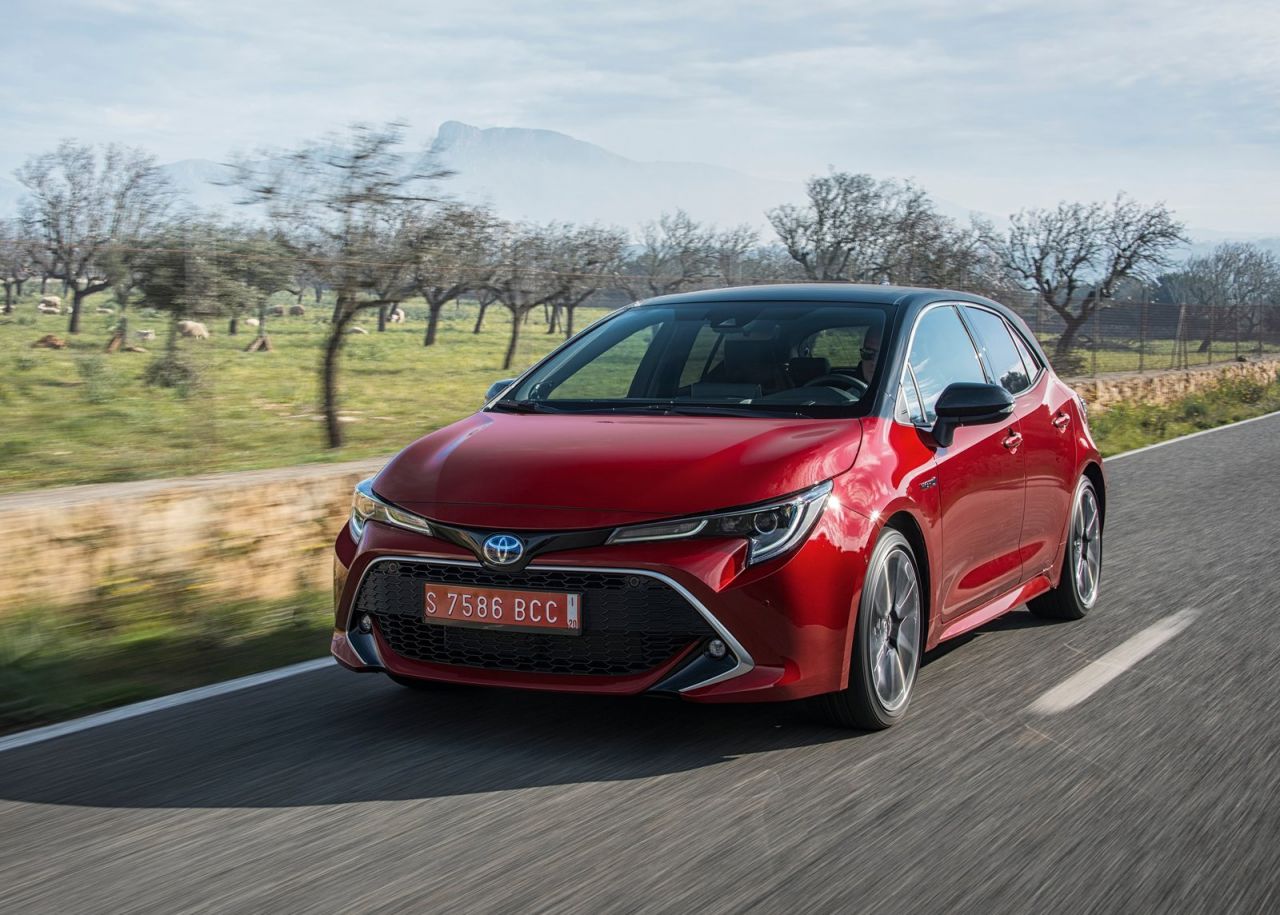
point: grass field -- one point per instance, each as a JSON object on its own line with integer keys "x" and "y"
{"x": 1155, "y": 355}
{"x": 80, "y": 416}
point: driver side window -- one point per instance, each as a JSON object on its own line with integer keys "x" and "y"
{"x": 941, "y": 354}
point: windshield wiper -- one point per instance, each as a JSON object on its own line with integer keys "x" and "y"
{"x": 523, "y": 406}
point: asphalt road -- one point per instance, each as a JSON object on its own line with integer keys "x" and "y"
{"x": 1160, "y": 791}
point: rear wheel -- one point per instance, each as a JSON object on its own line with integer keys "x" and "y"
{"x": 1077, "y": 589}
{"x": 886, "y": 641}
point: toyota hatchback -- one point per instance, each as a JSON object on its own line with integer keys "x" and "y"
{"x": 766, "y": 493}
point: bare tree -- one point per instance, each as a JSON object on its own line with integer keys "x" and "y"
{"x": 525, "y": 276}
{"x": 16, "y": 261}
{"x": 78, "y": 202}
{"x": 484, "y": 298}
{"x": 264, "y": 265}
{"x": 732, "y": 253}
{"x": 386, "y": 245}
{"x": 675, "y": 253}
{"x": 450, "y": 258}
{"x": 337, "y": 191}
{"x": 855, "y": 227}
{"x": 1235, "y": 280}
{"x": 1075, "y": 256}
{"x": 585, "y": 259}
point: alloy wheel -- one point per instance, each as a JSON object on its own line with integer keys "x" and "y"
{"x": 894, "y": 644}
{"x": 1086, "y": 546}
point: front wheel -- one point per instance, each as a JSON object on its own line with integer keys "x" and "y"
{"x": 1077, "y": 589}
{"x": 886, "y": 640}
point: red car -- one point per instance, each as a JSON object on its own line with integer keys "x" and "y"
{"x": 763, "y": 493}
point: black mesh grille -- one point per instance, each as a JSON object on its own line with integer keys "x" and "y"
{"x": 630, "y": 623}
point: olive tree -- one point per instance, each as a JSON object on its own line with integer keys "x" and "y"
{"x": 1076, "y": 256}
{"x": 340, "y": 193}
{"x": 79, "y": 202}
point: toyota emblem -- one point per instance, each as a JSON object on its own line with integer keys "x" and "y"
{"x": 503, "y": 549}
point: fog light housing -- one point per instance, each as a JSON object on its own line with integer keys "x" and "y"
{"x": 366, "y": 624}
{"x": 716, "y": 649}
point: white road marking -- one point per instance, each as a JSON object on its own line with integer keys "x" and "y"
{"x": 37, "y": 735}
{"x": 1084, "y": 683}
{"x": 1183, "y": 438}
{"x": 124, "y": 712}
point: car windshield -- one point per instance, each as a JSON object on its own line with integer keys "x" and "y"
{"x": 724, "y": 358}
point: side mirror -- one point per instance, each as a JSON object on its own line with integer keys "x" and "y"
{"x": 968, "y": 404}
{"x": 497, "y": 388}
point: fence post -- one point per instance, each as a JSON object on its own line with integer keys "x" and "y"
{"x": 1235, "y": 332}
{"x": 1213, "y": 311}
{"x": 1142, "y": 336}
{"x": 1097, "y": 330}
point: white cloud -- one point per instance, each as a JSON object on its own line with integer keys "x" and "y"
{"x": 1003, "y": 99}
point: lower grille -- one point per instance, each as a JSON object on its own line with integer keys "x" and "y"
{"x": 630, "y": 623}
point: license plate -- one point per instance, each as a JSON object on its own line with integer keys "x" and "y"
{"x": 503, "y": 608}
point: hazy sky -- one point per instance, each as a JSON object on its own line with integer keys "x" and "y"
{"x": 989, "y": 105}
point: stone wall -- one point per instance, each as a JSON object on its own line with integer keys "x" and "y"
{"x": 257, "y": 534}
{"x": 267, "y": 533}
{"x": 1168, "y": 386}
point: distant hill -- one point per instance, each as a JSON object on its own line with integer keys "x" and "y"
{"x": 543, "y": 175}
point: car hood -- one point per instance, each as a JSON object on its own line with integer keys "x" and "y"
{"x": 562, "y": 472}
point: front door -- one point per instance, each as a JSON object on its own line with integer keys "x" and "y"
{"x": 981, "y": 476}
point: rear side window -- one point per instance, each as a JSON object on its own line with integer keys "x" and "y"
{"x": 1029, "y": 359}
{"x": 999, "y": 350}
{"x": 941, "y": 354}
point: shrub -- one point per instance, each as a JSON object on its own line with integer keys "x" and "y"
{"x": 93, "y": 374}
{"x": 170, "y": 370}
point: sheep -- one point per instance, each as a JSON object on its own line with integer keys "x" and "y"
{"x": 297, "y": 311}
{"x": 356, "y": 329}
{"x": 48, "y": 309}
{"x": 276, "y": 311}
{"x": 251, "y": 322}
{"x": 145, "y": 334}
{"x": 396, "y": 316}
{"x": 51, "y": 300}
{"x": 193, "y": 329}
{"x": 106, "y": 311}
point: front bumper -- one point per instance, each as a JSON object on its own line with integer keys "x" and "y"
{"x": 785, "y": 623}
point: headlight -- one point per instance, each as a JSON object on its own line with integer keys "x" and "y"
{"x": 770, "y": 529}
{"x": 365, "y": 507}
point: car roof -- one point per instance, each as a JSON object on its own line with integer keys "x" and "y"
{"x": 851, "y": 293}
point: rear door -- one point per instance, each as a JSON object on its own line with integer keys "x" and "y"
{"x": 980, "y": 476}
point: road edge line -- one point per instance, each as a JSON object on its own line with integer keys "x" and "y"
{"x": 147, "y": 706}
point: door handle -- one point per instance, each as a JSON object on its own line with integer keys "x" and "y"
{"x": 1062, "y": 420}
{"x": 1012, "y": 441}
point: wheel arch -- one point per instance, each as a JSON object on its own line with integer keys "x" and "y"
{"x": 906, "y": 524}
{"x": 1093, "y": 471}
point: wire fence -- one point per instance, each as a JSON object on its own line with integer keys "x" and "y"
{"x": 1147, "y": 336}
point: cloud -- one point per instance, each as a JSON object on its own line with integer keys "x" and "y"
{"x": 1019, "y": 99}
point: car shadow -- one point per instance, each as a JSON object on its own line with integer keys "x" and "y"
{"x": 334, "y": 738}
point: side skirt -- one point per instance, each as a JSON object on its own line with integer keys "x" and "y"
{"x": 998, "y": 607}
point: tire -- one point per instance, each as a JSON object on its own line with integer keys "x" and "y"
{"x": 1078, "y": 585}
{"x": 886, "y": 646}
